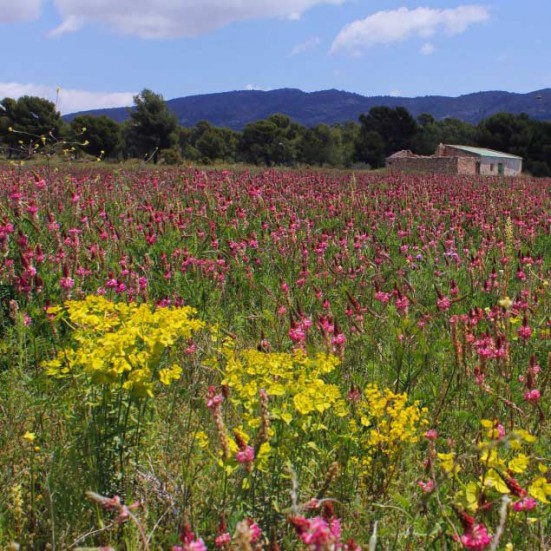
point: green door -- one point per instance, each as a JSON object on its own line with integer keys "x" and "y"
{"x": 500, "y": 169}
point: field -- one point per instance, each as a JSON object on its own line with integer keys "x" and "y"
{"x": 274, "y": 360}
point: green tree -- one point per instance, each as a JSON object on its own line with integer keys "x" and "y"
{"x": 370, "y": 148}
{"x": 152, "y": 127}
{"x": 395, "y": 126}
{"x": 103, "y": 135}
{"x": 214, "y": 143}
{"x": 320, "y": 146}
{"x": 348, "y": 136}
{"x": 431, "y": 132}
{"x": 273, "y": 141}
{"x": 507, "y": 132}
{"x": 32, "y": 123}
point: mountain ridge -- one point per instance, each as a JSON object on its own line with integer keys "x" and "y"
{"x": 237, "y": 108}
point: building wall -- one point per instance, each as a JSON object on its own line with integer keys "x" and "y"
{"x": 449, "y": 160}
{"x": 490, "y": 166}
{"x": 437, "y": 165}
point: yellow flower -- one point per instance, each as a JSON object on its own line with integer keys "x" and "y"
{"x": 540, "y": 489}
{"x": 166, "y": 376}
{"x": 118, "y": 343}
{"x": 30, "y": 436}
{"x": 447, "y": 462}
{"x": 519, "y": 464}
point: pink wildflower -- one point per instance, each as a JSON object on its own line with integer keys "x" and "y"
{"x": 431, "y": 434}
{"x": 297, "y": 333}
{"x": 533, "y": 395}
{"x": 526, "y": 504}
{"x": 213, "y": 400}
{"x": 382, "y": 297}
{"x": 443, "y": 304}
{"x": 402, "y": 304}
{"x": 246, "y": 455}
{"x": 67, "y": 283}
{"x": 222, "y": 540}
{"x": 317, "y": 532}
{"x": 427, "y": 486}
{"x": 476, "y": 538}
{"x": 191, "y": 543}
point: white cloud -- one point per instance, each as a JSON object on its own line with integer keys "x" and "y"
{"x": 387, "y": 27}
{"x": 68, "y": 100}
{"x": 70, "y": 24}
{"x": 174, "y": 18}
{"x": 254, "y": 87}
{"x": 427, "y": 48}
{"x": 396, "y": 94}
{"x": 307, "y": 46}
{"x": 12, "y": 11}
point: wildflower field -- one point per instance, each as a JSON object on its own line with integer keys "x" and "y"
{"x": 274, "y": 360}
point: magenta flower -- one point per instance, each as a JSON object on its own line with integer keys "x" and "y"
{"x": 431, "y": 434}
{"x": 533, "y": 395}
{"x": 222, "y": 540}
{"x": 476, "y": 538}
{"x": 246, "y": 455}
{"x": 526, "y": 504}
{"x": 213, "y": 400}
{"x": 443, "y": 304}
{"x": 427, "y": 487}
{"x": 67, "y": 283}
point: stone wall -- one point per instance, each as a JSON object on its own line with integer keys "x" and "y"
{"x": 437, "y": 165}
{"x": 467, "y": 165}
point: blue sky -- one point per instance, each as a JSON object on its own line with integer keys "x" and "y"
{"x": 101, "y": 52}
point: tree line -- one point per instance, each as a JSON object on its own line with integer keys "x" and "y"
{"x": 31, "y": 125}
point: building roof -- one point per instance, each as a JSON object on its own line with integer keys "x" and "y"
{"x": 483, "y": 152}
{"x": 402, "y": 153}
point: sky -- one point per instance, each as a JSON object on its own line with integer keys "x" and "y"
{"x": 86, "y": 54}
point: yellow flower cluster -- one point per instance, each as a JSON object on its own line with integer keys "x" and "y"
{"x": 391, "y": 422}
{"x": 295, "y": 379}
{"x": 118, "y": 343}
{"x": 501, "y": 457}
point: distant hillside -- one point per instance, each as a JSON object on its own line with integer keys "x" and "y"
{"x": 236, "y": 109}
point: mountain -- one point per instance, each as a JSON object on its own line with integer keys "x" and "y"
{"x": 236, "y": 109}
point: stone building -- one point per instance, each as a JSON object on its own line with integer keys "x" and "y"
{"x": 458, "y": 159}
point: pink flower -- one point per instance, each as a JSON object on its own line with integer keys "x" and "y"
{"x": 402, "y": 304}
{"x": 246, "y": 455}
{"x": 297, "y": 333}
{"x": 431, "y": 434}
{"x": 67, "y": 282}
{"x": 443, "y": 303}
{"x": 476, "y": 538}
{"x": 382, "y": 297}
{"x": 191, "y": 543}
{"x": 532, "y": 395}
{"x": 427, "y": 486}
{"x": 254, "y": 530}
{"x": 526, "y": 504}
{"x": 222, "y": 540}
{"x": 213, "y": 400}
{"x": 318, "y": 533}
{"x": 524, "y": 331}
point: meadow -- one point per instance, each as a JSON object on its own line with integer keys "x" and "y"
{"x": 211, "y": 359}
